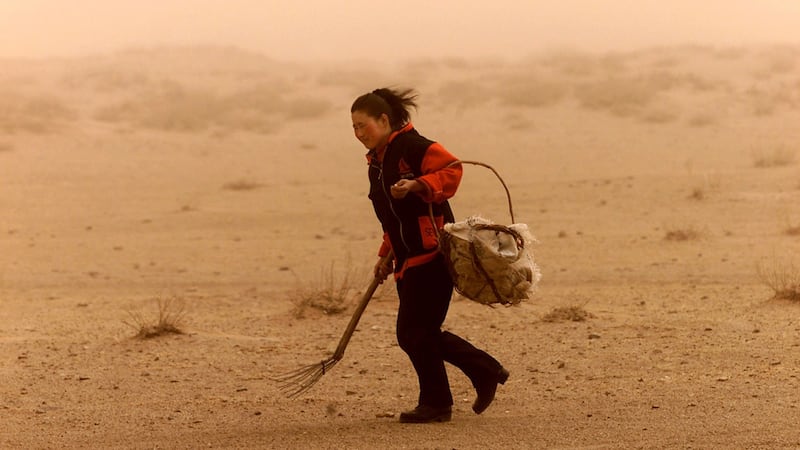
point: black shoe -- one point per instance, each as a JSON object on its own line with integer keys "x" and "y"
{"x": 426, "y": 414}
{"x": 487, "y": 389}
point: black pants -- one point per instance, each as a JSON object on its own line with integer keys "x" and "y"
{"x": 425, "y": 293}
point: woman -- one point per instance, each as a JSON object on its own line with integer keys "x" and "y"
{"x": 407, "y": 173}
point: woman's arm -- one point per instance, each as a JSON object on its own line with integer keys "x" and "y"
{"x": 440, "y": 182}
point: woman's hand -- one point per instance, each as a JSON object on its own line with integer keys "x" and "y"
{"x": 383, "y": 269}
{"x": 403, "y": 187}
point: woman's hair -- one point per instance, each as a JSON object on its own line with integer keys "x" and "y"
{"x": 396, "y": 104}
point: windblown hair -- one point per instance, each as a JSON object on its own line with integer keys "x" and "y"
{"x": 396, "y": 104}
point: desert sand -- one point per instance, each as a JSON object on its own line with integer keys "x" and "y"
{"x": 663, "y": 186}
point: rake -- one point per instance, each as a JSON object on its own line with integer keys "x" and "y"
{"x": 299, "y": 381}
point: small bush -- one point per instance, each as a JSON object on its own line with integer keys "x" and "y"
{"x": 577, "y": 64}
{"x": 778, "y": 157}
{"x": 567, "y": 314}
{"x": 701, "y": 120}
{"x": 659, "y": 115}
{"x": 531, "y": 92}
{"x": 169, "y": 320}
{"x": 330, "y": 293}
{"x": 6, "y": 147}
{"x": 782, "y": 278}
{"x": 32, "y": 114}
{"x": 171, "y": 106}
{"x": 792, "y": 229}
{"x": 463, "y": 95}
{"x": 689, "y": 233}
{"x": 106, "y": 79}
{"x": 620, "y": 96}
{"x": 698, "y": 193}
{"x": 779, "y": 60}
{"x": 241, "y": 185}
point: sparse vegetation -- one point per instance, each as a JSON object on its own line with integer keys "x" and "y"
{"x": 330, "y": 293}
{"x": 792, "y": 229}
{"x": 106, "y": 79}
{"x": 36, "y": 114}
{"x": 659, "y": 115}
{"x": 780, "y": 156}
{"x": 241, "y": 185}
{"x": 698, "y": 193}
{"x": 702, "y": 188}
{"x": 779, "y": 60}
{"x": 171, "y": 313}
{"x": 573, "y": 313}
{"x": 531, "y": 92}
{"x": 689, "y": 233}
{"x": 700, "y": 120}
{"x": 620, "y": 96}
{"x": 782, "y": 277}
{"x": 171, "y": 106}
{"x": 463, "y": 94}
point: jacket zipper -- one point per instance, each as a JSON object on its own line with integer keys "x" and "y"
{"x": 391, "y": 208}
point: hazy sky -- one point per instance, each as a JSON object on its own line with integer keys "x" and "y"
{"x": 382, "y": 30}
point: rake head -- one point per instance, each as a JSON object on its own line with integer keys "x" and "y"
{"x": 296, "y": 382}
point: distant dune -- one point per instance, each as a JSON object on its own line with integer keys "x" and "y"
{"x": 227, "y": 89}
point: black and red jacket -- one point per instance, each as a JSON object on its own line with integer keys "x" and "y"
{"x": 406, "y": 222}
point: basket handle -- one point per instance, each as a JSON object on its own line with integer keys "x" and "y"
{"x": 478, "y": 163}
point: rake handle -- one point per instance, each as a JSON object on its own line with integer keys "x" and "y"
{"x": 362, "y": 305}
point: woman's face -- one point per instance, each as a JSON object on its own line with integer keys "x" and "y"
{"x": 372, "y": 132}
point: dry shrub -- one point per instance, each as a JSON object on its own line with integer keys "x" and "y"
{"x": 659, "y": 115}
{"x": 620, "y": 96}
{"x": 709, "y": 183}
{"x": 782, "y": 277}
{"x": 171, "y": 106}
{"x": 780, "y": 156}
{"x": 791, "y": 229}
{"x": 729, "y": 53}
{"x": 698, "y": 193}
{"x": 578, "y": 64}
{"x": 766, "y": 99}
{"x": 32, "y": 113}
{"x": 573, "y": 313}
{"x": 249, "y": 120}
{"x": 106, "y": 79}
{"x": 663, "y": 80}
{"x": 699, "y": 84}
{"x": 531, "y": 91}
{"x": 330, "y": 293}
{"x": 241, "y": 185}
{"x": 346, "y": 77}
{"x": 780, "y": 60}
{"x": 168, "y": 106}
{"x": 171, "y": 314}
{"x": 305, "y": 108}
{"x": 699, "y": 120}
{"x": 464, "y": 94}
{"x": 689, "y": 233}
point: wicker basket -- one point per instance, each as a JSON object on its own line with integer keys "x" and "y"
{"x": 488, "y": 262}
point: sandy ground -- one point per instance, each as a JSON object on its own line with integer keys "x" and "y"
{"x": 660, "y": 184}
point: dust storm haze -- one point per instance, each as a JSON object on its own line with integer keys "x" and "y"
{"x": 384, "y": 31}
{"x": 201, "y": 154}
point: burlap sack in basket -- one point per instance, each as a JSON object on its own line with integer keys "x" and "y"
{"x": 490, "y": 263}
